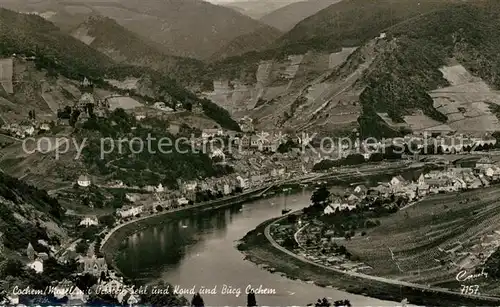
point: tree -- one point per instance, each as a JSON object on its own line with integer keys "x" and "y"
{"x": 251, "y": 301}
{"x": 90, "y": 109}
{"x": 346, "y": 303}
{"x": 82, "y": 247}
{"x": 323, "y": 303}
{"x": 10, "y": 267}
{"x": 74, "y": 117}
{"x": 108, "y": 220}
{"x": 354, "y": 159}
{"x": 320, "y": 196}
{"x": 159, "y": 208}
{"x": 197, "y": 301}
{"x": 376, "y": 157}
{"x": 84, "y": 282}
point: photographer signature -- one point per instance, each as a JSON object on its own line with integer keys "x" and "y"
{"x": 465, "y": 276}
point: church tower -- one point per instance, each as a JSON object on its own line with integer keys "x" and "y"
{"x": 30, "y": 252}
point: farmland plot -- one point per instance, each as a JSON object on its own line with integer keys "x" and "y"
{"x": 433, "y": 239}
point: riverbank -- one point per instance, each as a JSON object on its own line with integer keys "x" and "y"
{"x": 110, "y": 245}
{"x": 258, "y": 249}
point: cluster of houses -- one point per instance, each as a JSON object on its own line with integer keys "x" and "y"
{"x": 108, "y": 282}
{"x": 26, "y": 129}
{"x": 89, "y": 221}
{"x": 269, "y": 143}
{"x": 452, "y": 179}
{"x": 129, "y": 211}
{"x": 188, "y": 192}
{"x": 248, "y": 140}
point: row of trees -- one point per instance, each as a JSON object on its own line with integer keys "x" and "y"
{"x": 325, "y": 303}
{"x": 390, "y": 153}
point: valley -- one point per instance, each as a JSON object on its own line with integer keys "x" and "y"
{"x": 113, "y": 112}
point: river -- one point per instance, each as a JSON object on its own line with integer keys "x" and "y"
{"x": 200, "y": 251}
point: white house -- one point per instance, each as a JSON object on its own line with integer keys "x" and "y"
{"x": 242, "y": 182}
{"x": 360, "y": 190}
{"x": 162, "y": 106}
{"x": 489, "y": 172}
{"x": 190, "y": 186}
{"x": 160, "y": 188}
{"x": 140, "y": 117}
{"x": 83, "y": 181}
{"x": 227, "y": 189}
{"x": 89, "y": 221}
{"x": 13, "y": 299}
{"x": 182, "y": 201}
{"x": 210, "y": 133}
{"x": 117, "y": 184}
{"x": 129, "y": 211}
{"x": 45, "y": 127}
{"x": 28, "y": 130}
{"x": 36, "y": 265}
{"x": 330, "y": 209}
{"x": 397, "y": 181}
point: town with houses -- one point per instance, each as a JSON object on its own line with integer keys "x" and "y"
{"x": 318, "y": 241}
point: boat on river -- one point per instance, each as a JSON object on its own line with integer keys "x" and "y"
{"x": 285, "y": 209}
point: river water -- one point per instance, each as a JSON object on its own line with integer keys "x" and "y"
{"x": 200, "y": 251}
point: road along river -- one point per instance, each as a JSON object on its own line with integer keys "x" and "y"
{"x": 200, "y": 252}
